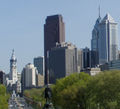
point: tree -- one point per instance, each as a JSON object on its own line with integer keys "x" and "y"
{"x": 104, "y": 89}
{"x": 3, "y": 97}
{"x": 81, "y": 91}
{"x": 37, "y": 97}
{"x": 70, "y": 92}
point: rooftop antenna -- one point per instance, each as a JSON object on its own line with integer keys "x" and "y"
{"x": 99, "y": 10}
{"x": 13, "y": 52}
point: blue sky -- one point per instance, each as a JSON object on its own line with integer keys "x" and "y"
{"x": 21, "y": 25}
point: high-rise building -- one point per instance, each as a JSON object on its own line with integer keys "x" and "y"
{"x": 94, "y": 43}
{"x": 62, "y": 61}
{"x": 39, "y": 64}
{"x": 13, "y": 68}
{"x": 2, "y": 77}
{"x": 28, "y": 78}
{"x": 54, "y": 31}
{"x": 86, "y": 58}
{"x": 108, "y": 40}
{"x": 104, "y": 43}
{"x": 118, "y": 54}
{"x": 80, "y": 60}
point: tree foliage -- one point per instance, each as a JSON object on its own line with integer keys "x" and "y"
{"x": 4, "y": 97}
{"x": 81, "y": 91}
{"x": 70, "y": 92}
{"x": 37, "y": 96}
{"x": 105, "y": 89}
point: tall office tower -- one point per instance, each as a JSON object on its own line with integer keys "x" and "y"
{"x": 80, "y": 60}
{"x": 28, "y": 78}
{"x": 13, "y": 68}
{"x": 94, "y": 43}
{"x": 86, "y": 58}
{"x": 54, "y": 31}
{"x": 2, "y": 77}
{"x": 108, "y": 40}
{"x": 62, "y": 61}
{"x": 118, "y": 54}
{"x": 39, "y": 64}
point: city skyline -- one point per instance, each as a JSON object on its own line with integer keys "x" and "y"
{"x": 22, "y": 26}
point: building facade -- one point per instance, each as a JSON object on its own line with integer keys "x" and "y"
{"x": 40, "y": 80}
{"x": 2, "y": 77}
{"x": 62, "y": 61}
{"x": 86, "y": 58}
{"x": 114, "y": 65}
{"x": 108, "y": 40}
{"x": 80, "y": 60}
{"x": 13, "y": 79}
{"x": 54, "y": 31}
{"x": 95, "y": 71}
{"x": 28, "y": 78}
{"x": 13, "y": 68}
{"x": 104, "y": 43}
{"x": 94, "y": 44}
{"x": 39, "y": 64}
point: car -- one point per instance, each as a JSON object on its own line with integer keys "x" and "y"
{"x": 21, "y": 105}
{"x": 10, "y": 105}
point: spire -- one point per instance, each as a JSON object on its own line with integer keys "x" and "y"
{"x": 13, "y": 55}
{"x": 99, "y": 11}
{"x": 13, "y": 52}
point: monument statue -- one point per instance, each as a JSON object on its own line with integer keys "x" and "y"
{"x": 48, "y": 97}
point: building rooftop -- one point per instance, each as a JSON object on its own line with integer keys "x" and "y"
{"x": 65, "y": 45}
{"x": 108, "y": 18}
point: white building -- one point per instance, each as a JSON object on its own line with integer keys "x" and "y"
{"x": 13, "y": 68}
{"x": 13, "y": 82}
{"x": 29, "y": 76}
{"x": 94, "y": 71}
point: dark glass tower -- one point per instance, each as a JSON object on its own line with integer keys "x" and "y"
{"x": 54, "y": 32}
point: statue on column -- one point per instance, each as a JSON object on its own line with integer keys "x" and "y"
{"x": 48, "y": 97}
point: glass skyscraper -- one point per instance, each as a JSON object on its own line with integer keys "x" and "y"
{"x": 108, "y": 40}
{"x": 104, "y": 43}
{"x": 94, "y": 43}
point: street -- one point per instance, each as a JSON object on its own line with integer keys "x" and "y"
{"x": 18, "y": 103}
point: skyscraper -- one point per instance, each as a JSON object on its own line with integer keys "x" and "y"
{"x": 94, "y": 43}
{"x": 2, "y": 77}
{"x": 62, "y": 61}
{"x": 13, "y": 68}
{"x": 104, "y": 43}
{"x": 80, "y": 59}
{"x": 54, "y": 31}
{"x": 86, "y": 58}
{"x": 39, "y": 64}
{"x": 29, "y": 76}
{"x": 108, "y": 40}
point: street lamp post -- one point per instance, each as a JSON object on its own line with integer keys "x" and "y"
{"x": 48, "y": 91}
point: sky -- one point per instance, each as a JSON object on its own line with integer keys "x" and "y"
{"x": 22, "y": 21}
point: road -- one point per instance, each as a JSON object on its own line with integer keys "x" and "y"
{"x": 18, "y": 103}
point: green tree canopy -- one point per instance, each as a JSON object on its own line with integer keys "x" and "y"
{"x": 70, "y": 92}
{"x": 82, "y": 91}
{"x": 4, "y": 97}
